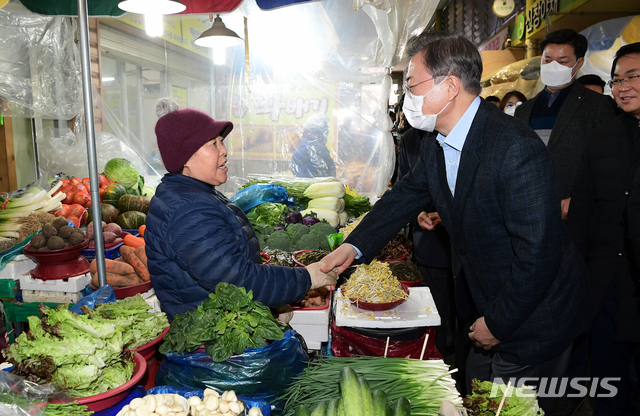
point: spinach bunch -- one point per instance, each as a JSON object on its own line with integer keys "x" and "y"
{"x": 226, "y": 324}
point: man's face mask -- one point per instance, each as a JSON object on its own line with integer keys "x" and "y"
{"x": 556, "y": 75}
{"x": 412, "y": 109}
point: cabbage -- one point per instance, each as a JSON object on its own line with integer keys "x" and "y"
{"x": 122, "y": 171}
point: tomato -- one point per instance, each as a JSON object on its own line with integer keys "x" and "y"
{"x": 75, "y": 220}
{"x": 64, "y": 211}
{"x": 77, "y": 210}
{"x": 81, "y": 198}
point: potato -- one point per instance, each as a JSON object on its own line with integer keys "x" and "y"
{"x": 38, "y": 241}
{"x": 76, "y": 238}
{"x": 59, "y": 223}
{"x": 66, "y": 231}
{"x": 108, "y": 237}
{"x": 49, "y": 231}
{"x": 55, "y": 243}
{"x": 113, "y": 228}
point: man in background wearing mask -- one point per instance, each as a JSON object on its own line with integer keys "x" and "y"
{"x": 493, "y": 184}
{"x": 564, "y": 111}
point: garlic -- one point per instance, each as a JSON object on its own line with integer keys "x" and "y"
{"x": 151, "y": 402}
{"x": 194, "y": 401}
{"x": 223, "y": 407}
{"x": 209, "y": 391}
{"x": 211, "y": 402}
{"x": 142, "y": 410}
{"x": 234, "y": 408}
{"x": 135, "y": 403}
{"x": 255, "y": 411}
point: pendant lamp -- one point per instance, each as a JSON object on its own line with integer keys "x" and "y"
{"x": 218, "y": 36}
{"x": 152, "y": 6}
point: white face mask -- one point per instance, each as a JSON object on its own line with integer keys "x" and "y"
{"x": 556, "y": 75}
{"x": 412, "y": 109}
{"x": 512, "y": 110}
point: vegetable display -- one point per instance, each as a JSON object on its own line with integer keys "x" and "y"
{"x": 295, "y": 237}
{"x": 227, "y": 323}
{"x": 355, "y": 204}
{"x": 76, "y": 352}
{"x": 125, "y": 173}
{"x": 486, "y": 396}
{"x": 426, "y": 384}
{"x": 373, "y": 283}
{"x": 127, "y": 270}
{"x": 357, "y": 399}
{"x": 56, "y": 236}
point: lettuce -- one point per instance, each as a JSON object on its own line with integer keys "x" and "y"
{"x": 520, "y": 401}
{"x": 122, "y": 171}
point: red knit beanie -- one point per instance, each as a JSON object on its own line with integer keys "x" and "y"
{"x": 181, "y": 133}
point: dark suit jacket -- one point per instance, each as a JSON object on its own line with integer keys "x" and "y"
{"x": 525, "y": 275}
{"x": 430, "y": 248}
{"x": 597, "y": 220}
{"x": 582, "y": 111}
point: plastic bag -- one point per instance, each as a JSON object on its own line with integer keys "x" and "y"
{"x": 103, "y": 295}
{"x": 260, "y": 373}
{"x": 348, "y": 343}
{"x": 254, "y": 195}
{"x": 186, "y": 392}
{"x": 21, "y": 397}
{"x": 9, "y": 255}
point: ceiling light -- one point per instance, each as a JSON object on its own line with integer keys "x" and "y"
{"x": 152, "y": 6}
{"x": 218, "y": 36}
{"x": 153, "y": 25}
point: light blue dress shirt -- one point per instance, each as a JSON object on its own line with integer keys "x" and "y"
{"x": 453, "y": 143}
{"x": 452, "y": 146}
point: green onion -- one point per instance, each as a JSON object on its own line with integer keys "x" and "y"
{"x": 425, "y": 383}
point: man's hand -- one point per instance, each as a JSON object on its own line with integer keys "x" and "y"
{"x": 429, "y": 221}
{"x": 482, "y": 336}
{"x": 340, "y": 258}
{"x": 564, "y": 206}
{"x": 320, "y": 278}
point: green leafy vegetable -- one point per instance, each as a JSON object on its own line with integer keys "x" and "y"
{"x": 227, "y": 323}
{"x": 122, "y": 171}
{"x": 356, "y": 205}
{"x": 484, "y": 401}
{"x": 268, "y": 213}
{"x": 66, "y": 409}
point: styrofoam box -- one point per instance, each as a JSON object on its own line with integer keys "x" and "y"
{"x": 72, "y": 284}
{"x": 313, "y": 325}
{"x": 46, "y": 296}
{"x": 19, "y": 266}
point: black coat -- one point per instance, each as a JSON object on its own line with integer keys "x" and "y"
{"x": 525, "y": 274}
{"x": 581, "y": 112}
{"x": 597, "y": 221}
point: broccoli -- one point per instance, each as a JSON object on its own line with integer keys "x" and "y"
{"x": 296, "y": 231}
{"x": 308, "y": 242}
{"x": 279, "y": 240}
{"x": 321, "y": 230}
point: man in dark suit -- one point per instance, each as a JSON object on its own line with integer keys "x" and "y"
{"x": 597, "y": 222}
{"x": 564, "y": 111}
{"x": 493, "y": 183}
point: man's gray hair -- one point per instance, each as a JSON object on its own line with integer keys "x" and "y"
{"x": 446, "y": 54}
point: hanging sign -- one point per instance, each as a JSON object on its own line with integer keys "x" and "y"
{"x": 538, "y": 12}
{"x": 503, "y": 8}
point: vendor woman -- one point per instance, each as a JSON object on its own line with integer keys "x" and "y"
{"x": 195, "y": 236}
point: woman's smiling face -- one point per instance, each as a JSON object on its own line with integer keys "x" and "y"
{"x": 208, "y": 164}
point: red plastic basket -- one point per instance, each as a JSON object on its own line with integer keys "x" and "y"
{"x": 147, "y": 350}
{"x": 109, "y": 398}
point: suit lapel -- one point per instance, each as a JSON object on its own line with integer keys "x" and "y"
{"x": 445, "y": 196}
{"x": 469, "y": 160}
{"x": 571, "y": 104}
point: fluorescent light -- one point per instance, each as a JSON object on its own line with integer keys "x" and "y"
{"x": 152, "y": 6}
{"x": 219, "y": 56}
{"x": 108, "y": 79}
{"x": 153, "y": 25}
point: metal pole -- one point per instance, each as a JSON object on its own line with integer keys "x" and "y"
{"x": 85, "y": 61}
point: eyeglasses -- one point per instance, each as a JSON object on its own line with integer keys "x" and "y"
{"x": 407, "y": 89}
{"x": 618, "y": 82}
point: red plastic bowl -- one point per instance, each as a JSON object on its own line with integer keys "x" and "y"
{"x": 147, "y": 350}
{"x": 58, "y": 264}
{"x": 380, "y": 306}
{"x": 55, "y": 256}
{"x": 410, "y": 283}
{"x": 126, "y": 291}
{"x": 327, "y": 302}
{"x": 109, "y": 398}
{"x": 403, "y": 257}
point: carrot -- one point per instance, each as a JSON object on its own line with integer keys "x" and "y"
{"x": 133, "y": 241}
{"x": 141, "y": 252}
{"x": 142, "y": 229}
{"x": 130, "y": 257}
{"x": 119, "y": 280}
{"x": 117, "y": 267}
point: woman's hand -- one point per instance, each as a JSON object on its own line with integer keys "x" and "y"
{"x": 320, "y": 279}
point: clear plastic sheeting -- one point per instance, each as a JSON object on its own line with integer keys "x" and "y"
{"x": 39, "y": 65}
{"x": 332, "y": 58}
{"x": 519, "y": 76}
{"x": 605, "y": 38}
{"x": 60, "y": 150}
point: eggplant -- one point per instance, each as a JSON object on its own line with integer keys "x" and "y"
{"x": 310, "y": 220}
{"x": 294, "y": 217}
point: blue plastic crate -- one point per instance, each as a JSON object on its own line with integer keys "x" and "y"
{"x": 111, "y": 253}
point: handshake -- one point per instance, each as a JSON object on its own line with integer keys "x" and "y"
{"x": 319, "y": 278}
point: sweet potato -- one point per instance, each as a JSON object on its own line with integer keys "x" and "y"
{"x": 130, "y": 257}
{"x": 141, "y": 252}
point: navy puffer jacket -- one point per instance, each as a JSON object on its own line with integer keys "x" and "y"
{"x": 197, "y": 238}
